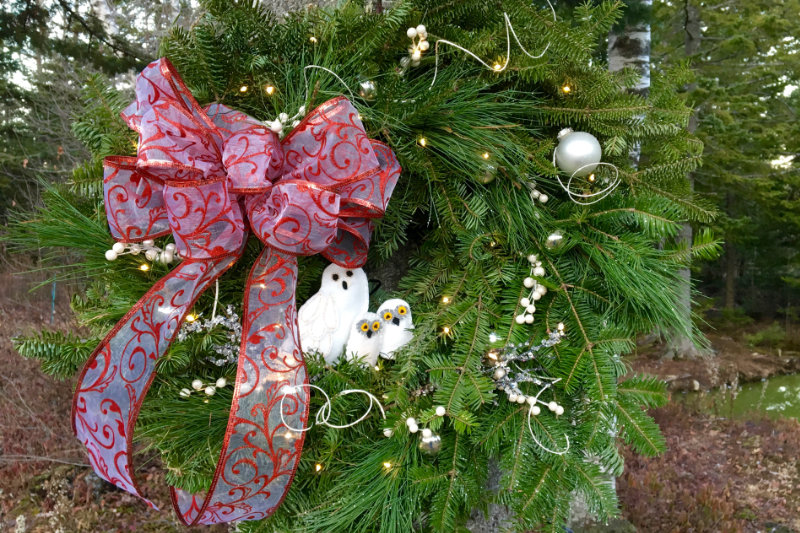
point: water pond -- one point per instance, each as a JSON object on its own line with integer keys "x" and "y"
{"x": 778, "y": 397}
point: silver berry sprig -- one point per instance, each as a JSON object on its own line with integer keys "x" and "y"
{"x": 229, "y": 351}
{"x": 148, "y": 247}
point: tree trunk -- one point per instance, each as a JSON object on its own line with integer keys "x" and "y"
{"x": 731, "y": 273}
{"x": 678, "y": 344}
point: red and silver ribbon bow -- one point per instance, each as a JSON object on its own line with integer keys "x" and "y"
{"x": 200, "y": 173}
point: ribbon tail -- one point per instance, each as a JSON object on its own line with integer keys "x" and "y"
{"x": 118, "y": 374}
{"x": 260, "y": 454}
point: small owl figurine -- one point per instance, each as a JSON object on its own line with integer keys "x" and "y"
{"x": 397, "y": 325}
{"x": 325, "y": 319}
{"x": 365, "y": 339}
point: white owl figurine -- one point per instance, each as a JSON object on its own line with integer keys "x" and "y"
{"x": 365, "y": 339}
{"x": 397, "y": 326}
{"x": 325, "y": 319}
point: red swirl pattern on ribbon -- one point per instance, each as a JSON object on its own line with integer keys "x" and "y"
{"x": 205, "y": 176}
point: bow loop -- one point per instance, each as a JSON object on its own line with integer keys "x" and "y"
{"x": 176, "y": 138}
{"x": 205, "y": 221}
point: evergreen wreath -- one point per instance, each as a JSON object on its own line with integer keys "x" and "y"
{"x": 458, "y": 233}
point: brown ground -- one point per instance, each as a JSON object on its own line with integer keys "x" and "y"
{"x": 718, "y": 475}
{"x": 731, "y": 363}
{"x": 44, "y": 475}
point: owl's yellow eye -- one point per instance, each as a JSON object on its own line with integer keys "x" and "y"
{"x": 387, "y": 316}
{"x": 376, "y": 326}
{"x": 364, "y": 327}
{"x": 402, "y": 310}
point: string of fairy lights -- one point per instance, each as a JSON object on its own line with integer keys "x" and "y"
{"x": 577, "y": 154}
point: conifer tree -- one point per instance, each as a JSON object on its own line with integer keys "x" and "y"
{"x": 469, "y": 144}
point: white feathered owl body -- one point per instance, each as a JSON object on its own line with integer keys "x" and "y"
{"x": 325, "y": 320}
{"x": 366, "y": 336}
{"x": 397, "y": 326}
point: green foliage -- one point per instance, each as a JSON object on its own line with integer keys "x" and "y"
{"x": 745, "y": 74}
{"x": 772, "y": 336}
{"x": 614, "y": 276}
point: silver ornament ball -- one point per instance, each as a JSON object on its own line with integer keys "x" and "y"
{"x": 578, "y": 152}
{"x": 488, "y": 173}
{"x": 555, "y": 240}
{"x": 368, "y": 90}
{"x": 431, "y": 445}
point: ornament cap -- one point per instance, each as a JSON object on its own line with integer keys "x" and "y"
{"x": 564, "y": 132}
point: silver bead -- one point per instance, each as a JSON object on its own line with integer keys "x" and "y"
{"x": 430, "y": 445}
{"x": 555, "y": 240}
{"x": 368, "y": 90}
{"x": 578, "y": 152}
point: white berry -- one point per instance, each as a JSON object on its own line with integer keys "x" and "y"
{"x": 529, "y": 319}
{"x": 559, "y": 410}
{"x": 543, "y": 198}
{"x": 283, "y": 117}
{"x": 535, "y": 410}
{"x": 118, "y": 247}
{"x": 151, "y": 255}
{"x": 520, "y": 319}
{"x": 197, "y": 384}
{"x": 530, "y": 308}
{"x": 388, "y": 432}
{"x": 513, "y": 397}
{"x": 440, "y": 411}
{"x": 421, "y": 29}
{"x": 500, "y": 373}
{"x": 536, "y": 296}
{"x": 276, "y": 126}
{"x": 552, "y": 406}
{"x": 135, "y": 249}
{"x": 111, "y": 255}
{"x": 521, "y": 399}
{"x": 167, "y": 257}
{"x": 538, "y": 271}
{"x": 424, "y": 45}
{"x": 531, "y": 400}
{"x": 210, "y": 390}
{"x": 411, "y": 32}
{"x": 414, "y": 428}
{"x": 427, "y": 433}
{"x": 221, "y": 382}
{"x": 148, "y": 243}
{"x": 410, "y": 421}
{"x": 532, "y": 258}
{"x": 185, "y": 393}
{"x": 536, "y": 194}
{"x": 525, "y": 302}
{"x": 170, "y": 247}
{"x": 528, "y": 282}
